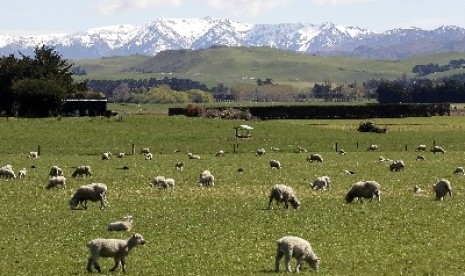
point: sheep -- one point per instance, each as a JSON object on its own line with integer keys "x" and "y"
{"x": 193, "y": 156}
{"x": 148, "y": 156}
{"x": 420, "y": 148}
{"x": 314, "y": 157}
{"x": 396, "y": 166}
{"x": 373, "y": 147}
{"x": 93, "y": 192}
{"x": 437, "y": 149}
{"x": 122, "y": 225}
{"x": 321, "y": 183}
{"x": 179, "y": 165}
{"x": 145, "y": 150}
{"x": 442, "y": 188}
{"x": 55, "y": 171}
{"x": 33, "y": 155}
{"x": 55, "y": 181}
{"x": 459, "y": 170}
{"x": 206, "y": 179}
{"x": 157, "y": 180}
{"x": 341, "y": 152}
{"x": 82, "y": 170}
{"x": 298, "y": 248}
{"x": 301, "y": 149}
{"x": 219, "y": 153}
{"x": 106, "y": 155}
{"x": 421, "y": 157}
{"x": 347, "y": 172}
{"x": 117, "y": 249}
{"x": 7, "y": 172}
{"x": 22, "y": 173}
{"x": 283, "y": 193}
{"x": 121, "y": 155}
{"x": 275, "y": 149}
{"x": 275, "y": 164}
{"x": 167, "y": 183}
{"x": 364, "y": 189}
{"x": 260, "y": 152}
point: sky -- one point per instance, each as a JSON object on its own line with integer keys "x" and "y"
{"x": 40, "y": 17}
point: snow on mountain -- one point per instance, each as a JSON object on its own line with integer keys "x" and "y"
{"x": 182, "y": 33}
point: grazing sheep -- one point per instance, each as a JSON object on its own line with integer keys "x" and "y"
{"x": 157, "y": 180}
{"x": 314, "y": 157}
{"x": 219, "y": 153}
{"x": 82, "y": 170}
{"x": 442, "y": 188}
{"x": 364, "y": 189}
{"x": 7, "y": 172}
{"x": 348, "y": 172}
{"x": 179, "y": 165}
{"x": 396, "y": 166}
{"x": 22, "y": 173}
{"x": 167, "y": 183}
{"x": 275, "y": 164}
{"x": 206, "y": 179}
{"x": 112, "y": 248}
{"x": 148, "y": 156}
{"x": 55, "y": 171}
{"x": 55, "y": 181}
{"x": 93, "y": 192}
{"x": 301, "y": 149}
{"x": 341, "y": 152}
{"x": 420, "y": 148}
{"x": 437, "y": 149}
{"x": 33, "y": 155}
{"x": 122, "y": 225}
{"x": 373, "y": 147}
{"x": 260, "y": 152}
{"x": 106, "y": 155}
{"x": 294, "y": 247}
{"x": 193, "y": 156}
{"x": 121, "y": 155}
{"x": 459, "y": 170}
{"x": 145, "y": 150}
{"x": 321, "y": 183}
{"x": 421, "y": 157}
{"x": 283, "y": 193}
{"x": 275, "y": 149}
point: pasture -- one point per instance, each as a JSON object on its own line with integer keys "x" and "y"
{"x": 225, "y": 229}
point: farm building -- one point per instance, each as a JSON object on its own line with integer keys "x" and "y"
{"x": 85, "y": 107}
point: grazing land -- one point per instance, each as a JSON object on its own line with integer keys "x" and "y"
{"x": 225, "y": 229}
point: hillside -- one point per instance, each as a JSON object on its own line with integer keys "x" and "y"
{"x": 241, "y": 65}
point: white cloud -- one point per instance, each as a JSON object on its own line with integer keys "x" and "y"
{"x": 339, "y": 2}
{"x": 113, "y": 6}
{"x": 247, "y": 7}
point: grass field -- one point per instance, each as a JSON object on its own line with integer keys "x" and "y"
{"x": 225, "y": 229}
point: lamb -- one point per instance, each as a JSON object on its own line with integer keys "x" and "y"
{"x": 33, "y": 155}
{"x": 55, "y": 171}
{"x": 321, "y": 183}
{"x": 93, "y": 192}
{"x": 442, "y": 188}
{"x": 7, "y": 172}
{"x": 420, "y": 148}
{"x": 55, "y": 181}
{"x": 421, "y": 157}
{"x": 298, "y": 248}
{"x": 283, "y": 193}
{"x": 459, "y": 170}
{"x": 112, "y": 248}
{"x": 260, "y": 152}
{"x": 193, "y": 156}
{"x": 148, "y": 156}
{"x": 341, "y": 152}
{"x": 22, "y": 173}
{"x": 122, "y": 225}
{"x": 219, "y": 153}
{"x": 179, "y": 165}
{"x": 301, "y": 149}
{"x": 275, "y": 149}
{"x": 314, "y": 157}
{"x": 364, "y": 189}
{"x": 275, "y": 164}
{"x": 206, "y": 179}
{"x": 121, "y": 155}
{"x": 82, "y": 170}
{"x": 437, "y": 149}
{"x": 372, "y": 147}
{"x": 106, "y": 155}
{"x": 396, "y": 166}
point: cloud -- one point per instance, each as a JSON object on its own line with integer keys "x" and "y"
{"x": 339, "y": 2}
{"x": 248, "y": 7}
{"x": 114, "y": 6}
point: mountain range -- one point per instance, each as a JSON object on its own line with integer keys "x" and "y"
{"x": 177, "y": 33}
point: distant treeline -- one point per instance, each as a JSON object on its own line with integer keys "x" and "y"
{"x": 423, "y": 70}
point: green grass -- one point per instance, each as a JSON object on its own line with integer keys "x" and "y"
{"x": 225, "y": 230}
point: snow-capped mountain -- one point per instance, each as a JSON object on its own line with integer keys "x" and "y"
{"x": 174, "y": 33}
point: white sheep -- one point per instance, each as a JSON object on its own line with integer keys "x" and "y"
{"x": 93, "y": 192}
{"x": 82, "y": 170}
{"x": 179, "y": 165}
{"x": 442, "y": 188}
{"x": 420, "y": 148}
{"x": 282, "y": 193}
{"x": 341, "y": 152}
{"x": 55, "y": 171}
{"x": 22, "y": 173}
{"x": 121, "y": 155}
{"x": 167, "y": 183}
{"x": 112, "y": 248}
{"x": 459, "y": 170}
{"x": 157, "y": 180}
{"x": 314, "y": 157}
{"x": 275, "y": 149}
{"x": 294, "y": 247}
{"x": 396, "y": 166}
{"x": 373, "y": 147}
{"x": 321, "y": 183}
{"x": 55, "y": 181}
{"x": 421, "y": 157}
{"x": 364, "y": 189}
{"x": 437, "y": 149}
{"x": 33, "y": 155}
{"x": 148, "y": 156}
{"x": 206, "y": 178}
{"x": 193, "y": 156}
{"x": 260, "y": 152}
{"x": 7, "y": 172}
{"x": 124, "y": 224}
{"x": 219, "y": 153}
{"x": 301, "y": 149}
{"x": 106, "y": 155}
{"x": 275, "y": 164}
{"x": 145, "y": 150}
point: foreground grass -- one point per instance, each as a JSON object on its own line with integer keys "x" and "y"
{"x": 226, "y": 230}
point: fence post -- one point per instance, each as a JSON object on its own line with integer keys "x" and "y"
{"x": 38, "y": 150}
{"x": 335, "y": 146}
{"x": 406, "y": 147}
{"x": 357, "y": 145}
{"x": 133, "y": 149}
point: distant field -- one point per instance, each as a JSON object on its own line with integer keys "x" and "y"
{"x": 225, "y": 229}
